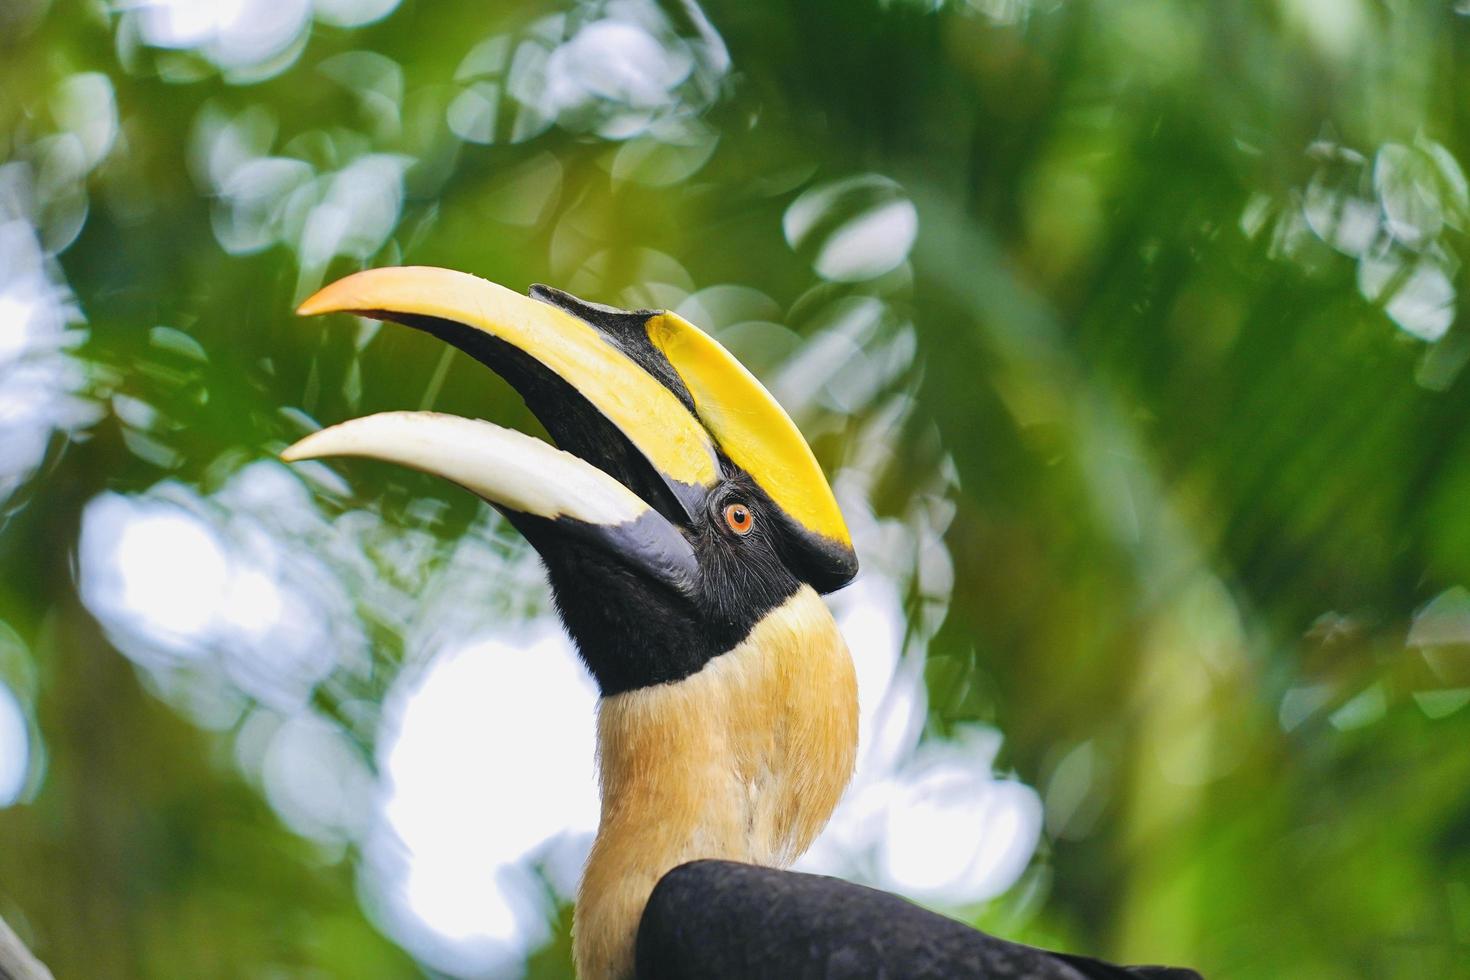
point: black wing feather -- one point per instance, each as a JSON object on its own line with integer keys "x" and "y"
{"x": 718, "y": 920}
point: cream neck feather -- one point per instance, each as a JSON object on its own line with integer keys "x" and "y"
{"x": 744, "y": 760}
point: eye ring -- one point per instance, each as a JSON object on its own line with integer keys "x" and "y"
{"x": 739, "y": 519}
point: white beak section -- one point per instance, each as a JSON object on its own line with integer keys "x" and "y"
{"x": 505, "y": 467}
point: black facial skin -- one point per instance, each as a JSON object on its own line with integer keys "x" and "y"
{"x": 632, "y": 629}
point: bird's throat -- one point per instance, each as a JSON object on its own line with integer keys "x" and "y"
{"x": 744, "y": 760}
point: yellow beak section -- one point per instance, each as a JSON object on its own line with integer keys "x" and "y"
{"x": 750, "y": 426}
{"x": 646, "y": 412}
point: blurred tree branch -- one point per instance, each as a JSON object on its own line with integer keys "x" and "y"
{"x": 16, "y": 962}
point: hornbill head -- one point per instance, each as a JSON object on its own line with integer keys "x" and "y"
{"x": 687, "y": 530}
{"x": 683, "y": 505}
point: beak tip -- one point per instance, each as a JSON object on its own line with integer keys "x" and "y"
{"x": 299, "y": 450}
{"x": 314, "y": 305}
{"x": 341, "y": 296}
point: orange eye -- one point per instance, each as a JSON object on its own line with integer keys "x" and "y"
{"x": 739, "y": 518}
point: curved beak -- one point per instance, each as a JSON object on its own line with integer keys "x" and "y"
{"x": 538, "y": 487}
{"x": 595, "y": 400}
{"x": 650, "y": 413}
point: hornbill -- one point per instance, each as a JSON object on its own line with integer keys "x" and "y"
{"x": 687, "y": 532}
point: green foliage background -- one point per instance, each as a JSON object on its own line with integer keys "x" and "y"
{"x": 1208, "y": 478}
